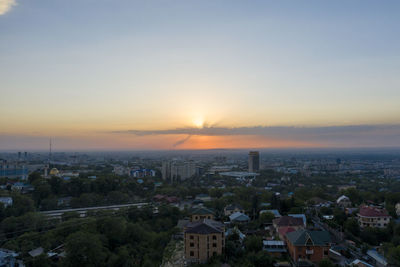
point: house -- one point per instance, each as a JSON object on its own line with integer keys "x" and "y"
{"x": 203, "y": 239}
{"x": 230, "y": 209}
{"x": 235, "y": 230}
{"x": 308, "y": 246}
{"x": 8, "y": 257}
{"x": 274, "y": 247}
{"x": 239, "y": 217}
{"x": 397, "y": 209}
{"x": 274, "y": 212}
{"x": 285, "y": 221}
{"x": 7, "y": 201}
{"x": 36, "y": 252}
{"x": 201, "y": 213}
{"x": 343, "y": 202}
{"x": 302, "y": 216}
{"x": 317, "y": 202}
{"x": 282, "y": 231}
{"x": 203, "y": 197}
{"x": 378, "y": 260}
{"x": 370, "y": 216}
{"x": 360, "y": 263}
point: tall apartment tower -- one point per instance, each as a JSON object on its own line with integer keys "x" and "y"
{"x": 254, "y": 161}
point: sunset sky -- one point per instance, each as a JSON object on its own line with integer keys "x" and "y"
{"x": 125, "y": 74}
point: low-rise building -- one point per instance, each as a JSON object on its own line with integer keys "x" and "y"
{"x": 7, "y": 201}
{"x": 370, "y": 216}
{"x": 274, "y": 247}
{"x": 202, "y": 213}
{"x": 203, "y": 239}
{"x": 309, "y": 246}
{"x": 230, "y": 209}
{"x": 343, "y": 201}
{"x": 239, "y": 217}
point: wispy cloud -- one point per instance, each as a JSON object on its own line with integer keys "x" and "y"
{"x": 182, "y": 141}
{"x": 331, "y": 135}
{"x": 6, "y": 5}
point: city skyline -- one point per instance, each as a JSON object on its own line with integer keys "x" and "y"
{"x": 199, "y": 75}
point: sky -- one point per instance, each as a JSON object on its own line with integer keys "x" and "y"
{"x": 125, "y": 74}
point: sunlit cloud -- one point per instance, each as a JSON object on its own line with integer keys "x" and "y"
{"x": 352, "y": 135}
{"x": 6, "y": 5}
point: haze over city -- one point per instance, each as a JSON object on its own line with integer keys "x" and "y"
{"x": 199, "y": 74}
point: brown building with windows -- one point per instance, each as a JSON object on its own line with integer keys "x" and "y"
{"x": 308, "y": 246}
{"x": 203, "y": 239}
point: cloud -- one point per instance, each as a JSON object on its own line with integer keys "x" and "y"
{"x": 182, "y": 141}
{"x": 6, "y": 5}
{"x": 368, "y": 135}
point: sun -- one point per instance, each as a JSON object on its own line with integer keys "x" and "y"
{"x": 198, "y": 122}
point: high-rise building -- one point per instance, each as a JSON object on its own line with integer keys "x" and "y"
{"x": 177, "y": 170}
{"x": 254, "y": 161}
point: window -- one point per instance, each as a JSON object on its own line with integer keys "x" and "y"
{"x": 214, "y": 245}
{"x": 191, "y": 244}
{"x": 191, "y": 237}
{"x": 214, "y": 237}
{"x": 326, "y": 252}
{"x": 191, "y": 253}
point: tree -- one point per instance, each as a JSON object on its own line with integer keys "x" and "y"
{"x": 326, "y": 263}
{"x": 253, "y": 243}
{"x": 85, "y": 249}
{"x": 351, "y": 226}
{"x": 394, "y": 256}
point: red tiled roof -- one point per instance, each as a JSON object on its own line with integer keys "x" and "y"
{"x": 369, "y": 211}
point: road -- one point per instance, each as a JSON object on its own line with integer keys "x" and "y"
{"x": 83, "y": 211}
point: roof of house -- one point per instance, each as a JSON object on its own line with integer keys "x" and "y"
{"x": 238, "y": 216}
{"x": 304, "y": 237}
{"x": 341, "y": 198}
{"x": 275, "y": 212}
{"x": 368, "y": 211}
{"x": 286, "y": 229}
{"x": 233, "y": 207}
{"x": 202, "y": 211}
{"x": 302, "y": 216}
{"x": 204, "y": 227}
{"x": 377, "y": 257}
{"x": 318, "y": 200}
{"x": 288, "y": 221}
{"x": 360, "y": 263}
{"x": 36, "y": 252}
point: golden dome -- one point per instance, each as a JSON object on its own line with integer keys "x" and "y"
{"x": 54, "y": 171}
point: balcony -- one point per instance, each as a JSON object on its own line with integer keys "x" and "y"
{"x": 309, "y": 252}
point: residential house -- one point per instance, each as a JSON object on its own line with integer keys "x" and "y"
{"x": 274, "y": 212}
{"x": 308, "y": 246}
{"x": 203, "y": 239}
{"x": 274, "y": 247}
{"x": 239, "y": 217}
{"x": 286, "y": 221}
{"x": 230, "y": 209}
{"x": 201, "y": 213}
{"x": 378, "y": 260}
{"x": 370, "y": 216}
{"x": 7, "y": 201}
{"x": 302, "y": 216}
{"x": 343, "y": 202}
{"x": 360, "y": 263}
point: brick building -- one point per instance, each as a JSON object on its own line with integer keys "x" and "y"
{"x": 203, "y": 239}
{"x": 308, "y": 246}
